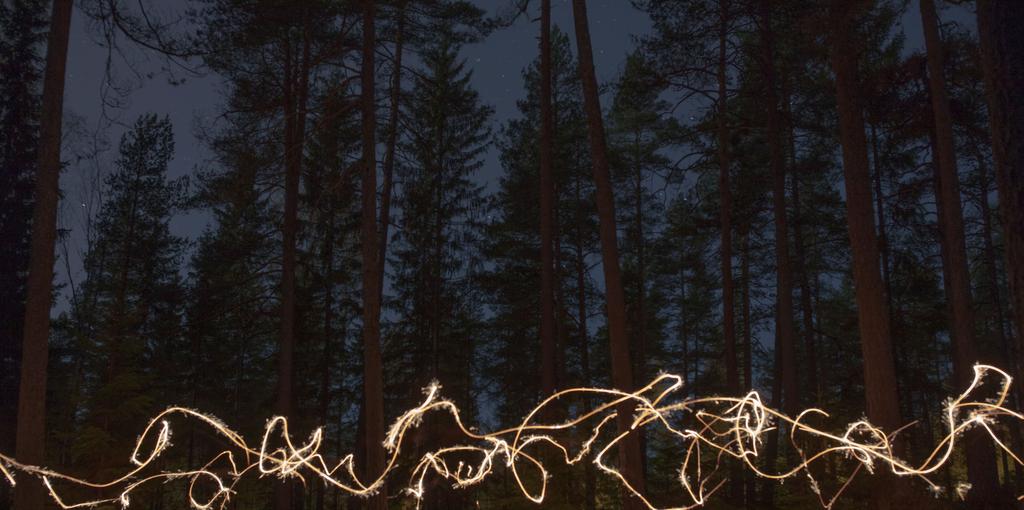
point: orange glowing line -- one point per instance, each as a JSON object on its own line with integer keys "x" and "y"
{"x": 727, "y": 426}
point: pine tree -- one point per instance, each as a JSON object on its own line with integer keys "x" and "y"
{"x": 786, "y": 340}
{"x": 706, "y": 29}
{"x": 512, "y": 251}
{"x": 436, "y": 253}
{"x": 332, "y": 286}
{"x": 513, "y": 235}
{"x": 30, "y": 440}
{"x": 21, "y": 25}
{"x": 630, "y": 455}
{"x": 548, "y": 349}
{"x": 739, "y": 134}
{"x": 373, "y": 368}
{"x": 231, "y": 285}
{"x": 640, "y": 136}
{"x": 639, "y": 139}
{"x": 441, "y": 207}
{"x": 130, "y": 320}
{"x": 980, "y": 455}
{"x": 684, "y": 268}
{"x": 873, "y": 316}
{"x": 1003, "y": 83}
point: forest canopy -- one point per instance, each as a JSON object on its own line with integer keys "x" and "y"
{"x": 818, "y": 204}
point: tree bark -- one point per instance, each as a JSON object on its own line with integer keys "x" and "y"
{"x": 561, "y": 312}
{"x": 630, "y": 462}
{"x": 589, "y": 482}
{"x": 981, "y": 468}
{"x": 684, "y": 341}
{"x": 1006, "y": 343}
{"x": 807, "y": 310}
{"x": 784, "y": 276}
{"x": 328, "y": 285}
{"x": 373, "y": 371}
{"x": 883, "y": 237}
{"x": 885, "y": 253}
{"x": 547, "y": 199}
{"x": 295, "y": 92}
{"x": 389, "y": 152}
{"x": 772, "y": 448}
{"x": 640, "y": 311}
{"x": 749, "y": 487}
{"x": 748, "y": 339}
{"x": 325, "y": 368}
{"x": 732, "y": 378}
{"x": 1000, "y": 39}
{"x": 30, "y": 442}
{"x": 873, "y": 316}
{"x": 725, "y": 212}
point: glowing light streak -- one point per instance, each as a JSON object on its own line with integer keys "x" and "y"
{"x": 735, "y": 427}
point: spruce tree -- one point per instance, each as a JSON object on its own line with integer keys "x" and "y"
{"x": 640, "y": 137}
{"x": 30, "y": 443}
{"x": 130, "y": 320}
{"x": 512, "y": 245}
{"x": 21, "y": 25}
{"x": 437, "y": 318}
{"x": 441, "y": 211}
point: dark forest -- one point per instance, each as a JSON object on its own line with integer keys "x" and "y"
{"x": 698, "y": 253}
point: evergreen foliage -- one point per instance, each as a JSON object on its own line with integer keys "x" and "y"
{"x": 158, "y": 319}
{"x": 21, "y": 31}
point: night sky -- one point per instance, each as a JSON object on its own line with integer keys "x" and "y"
{"x": 261, "y": 310}
{"x": 497, "y": 63}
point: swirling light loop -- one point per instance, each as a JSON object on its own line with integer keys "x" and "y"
{"x": 730, "y": 427}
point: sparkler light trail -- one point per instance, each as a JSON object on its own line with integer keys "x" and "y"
{"x": 725, "y": 427}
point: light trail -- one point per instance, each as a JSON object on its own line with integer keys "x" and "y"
{"x": 728, "y": 427}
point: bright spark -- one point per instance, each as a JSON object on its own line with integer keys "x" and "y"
{"x": 725, "y": 426}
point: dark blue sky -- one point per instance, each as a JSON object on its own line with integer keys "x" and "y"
{"x": 497, "y": 64}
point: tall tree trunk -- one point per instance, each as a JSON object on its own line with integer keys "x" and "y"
{"x": 772, "y": 448}
{"x": 725, "y": 208}
{"x": 885, "y": 254}
{"x": 640, "y": 312}
{"x": 561, "y": 312}
{"x": 561, "y": 333}
{"x": 883, "y": 236}
{"x": 784, "y": 275}
{"x": 295, "y": 91}
{"x": 1000, "y": 39}
{"x": 748, "y": 339}
{"x": 325, "y": 371}
{"x": 435, "y": 269}
{"x": 548, "y": 363}
{"x": 1008, "y": 346}
{"x": 981, "y": 468}
{"x": 872, "y": 314}
{"x": 684, "y": 341}
{"x": 749, "y": 488}
{"x": 30, "y": 442}
{"x": 286, "y": 345}
{"x": 328, "y": 352}
{"x": 373, "y": 370}
{"x": 356, "y": 502}
{"x": 589, "y": 482}
{"x": 630, "y": 461}
{"x": 807, "y": 310}
{"x": 389, "y": 152}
